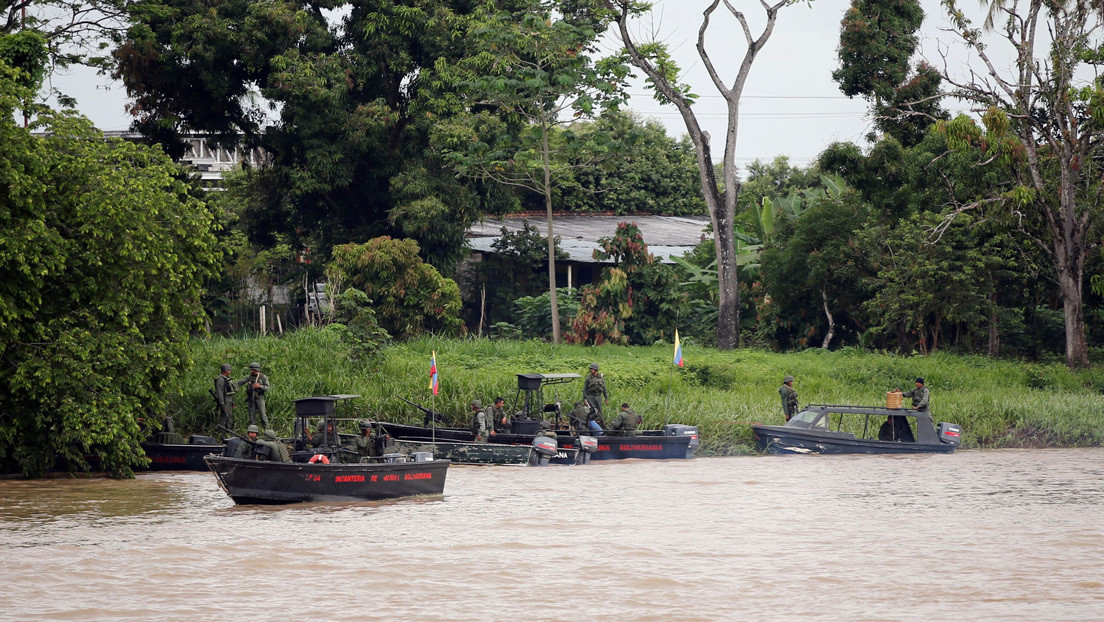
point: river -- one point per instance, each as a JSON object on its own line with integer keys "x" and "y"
{"x": 977, "y": 535}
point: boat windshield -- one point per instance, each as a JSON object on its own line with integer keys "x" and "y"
{"x": 808, "y": 419}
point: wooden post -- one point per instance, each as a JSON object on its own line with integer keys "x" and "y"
{"x": 279, "y": 324}
{"x": 264, "y": 323}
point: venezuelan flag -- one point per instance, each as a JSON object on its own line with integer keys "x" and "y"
{"x": 433, "y": 373}
{"x": 678, "y": 350}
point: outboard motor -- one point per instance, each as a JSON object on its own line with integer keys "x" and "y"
{"x": 393, "y": 458}
{"x": 949, "y": 433}
{"x": 231, "y": 448}
{"x": 587, "y": 446}
{"x": 674, "y": 429}
{"x": 544, "y": 448}
{"x": 421, "y": 456}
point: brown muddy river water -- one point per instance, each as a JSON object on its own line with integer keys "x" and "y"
{"x": 978, "y": 535}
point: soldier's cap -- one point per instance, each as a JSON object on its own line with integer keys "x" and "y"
{"x": 477, "y": 403}
{"x": 270, "y": 435}
{"x": 787, "y": 378}
{"x": 920, "y": 380}
{"x": 594, "y": 366}
{"x": 254, "y": 365}
{"x": 225, "y": 367}
{"x": 252, "y": 428}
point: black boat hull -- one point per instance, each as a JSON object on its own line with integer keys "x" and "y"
{"x": 787, "y": 440}
{"x": 178, "y": 457}
{"x": 651, "y": 444}
{"x": 264, "y": 482}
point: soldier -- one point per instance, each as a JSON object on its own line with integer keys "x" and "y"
{"x": 580, "y": 417}
{"x": 481, "y": 423}
{"x": 364, "y": 445}
{"x": 246, "y": 447}
{"x": 789, "y": 397}
{"x": 315, "y": 440}
{"x": 546, "y": 429}
{"x": 499, "y": 416}
{"x": 279, "y": 451}
{"x": 256, "y": 387}
{"x": 626, "y": 423}
{"x": 921, "y": 397}
{"x": 594, "y": 388}
{"x": 225, "y": 388}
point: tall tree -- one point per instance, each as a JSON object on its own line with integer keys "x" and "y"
{"x": 530, "y": 77}
{"x": 104, "y": 251}
{"x": 341, "y": 96}
{"x": 1044, "y": 121}
{"x": 663, "y": 75}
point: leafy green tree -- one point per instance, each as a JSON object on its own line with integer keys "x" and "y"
{"x": 652, "y": 174}
{"x": 637, "y": 300}
{"x": 104, "y": 250}
{"x": 410, "y": 296}
{"x": 529, "y": 73}
{"x": 339, "y": 96}
{"x": 356, "y": 319}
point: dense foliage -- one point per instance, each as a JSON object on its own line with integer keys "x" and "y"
{"x": 409, "y": 296}
{"x": 104, "y": 249}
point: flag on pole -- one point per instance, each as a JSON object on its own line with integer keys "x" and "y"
{"x": 433, "y": 373}
{"x": 678, "y": 350}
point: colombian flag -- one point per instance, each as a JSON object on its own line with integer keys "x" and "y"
{"x": 678, "y": 350}
{"x": 433, "y": 373}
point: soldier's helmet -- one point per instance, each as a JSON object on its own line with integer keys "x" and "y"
{"x": 270, "y": 435}
{"x": 225, "y": 367}
{"x": 321, "y": 424}
{"x": 787, "y": 378}
{"x": 253, "y": 428}
{"x": 363, "y": 424}
{"x": 477, "y": 403}
{"x": 254, "y": 365}
{"x": 594, "y": 366}
{"x": 546, "y": 425}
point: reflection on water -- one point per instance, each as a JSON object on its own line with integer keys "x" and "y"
{"x": 976, "y": 535}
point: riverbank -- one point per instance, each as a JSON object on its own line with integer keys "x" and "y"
{"x": 998, "y": 403}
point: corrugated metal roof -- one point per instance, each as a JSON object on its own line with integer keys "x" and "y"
{"x": 664, "y": 235}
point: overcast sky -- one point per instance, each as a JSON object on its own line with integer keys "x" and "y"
{"x": 790, "y": 106}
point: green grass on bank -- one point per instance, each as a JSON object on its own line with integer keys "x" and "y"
{"x": 998, "y": 403}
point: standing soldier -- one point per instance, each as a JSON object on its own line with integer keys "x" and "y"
{"x": 921, "y": 397}
{"x": 481, "y": 423}
{"x": 595, "y": 388}
{"x": 224, "y": 396}
{"x": 626, "y": 423}
{"x": 499, "y": 416}
{"x": 789, "y": 397}
{"x": 256, "y": 386}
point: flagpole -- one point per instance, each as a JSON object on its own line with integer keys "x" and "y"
{"x": 671, "y": 376}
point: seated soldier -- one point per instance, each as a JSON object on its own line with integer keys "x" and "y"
{"x": 248, "y": 444}
{"x": 278, "y": 451}
{"x": 626, "y": 423}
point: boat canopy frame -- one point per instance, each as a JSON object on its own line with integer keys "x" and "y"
{"x": 925, "y": 426}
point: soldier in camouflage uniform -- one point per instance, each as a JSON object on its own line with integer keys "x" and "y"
{"x": 626, "y": 423}
{"x": 500, "y": 417}
{"x": 315, "y": 439}
{"x": 482, "y": 424}
{"x": 921, "y": 397}
{"x": 246, "y": 447}
{"x": 547, "y": 429}
{"x": 580, "y": 417}
{"x": 789, "y": 397}
{"x": 256, "y": 387}
{"x": 594, "y": 391}
{"x": 365, "y": 444}
{"x": 279, "y": 451}
{"x": 225, "y": 388}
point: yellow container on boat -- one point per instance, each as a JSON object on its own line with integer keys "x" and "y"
{"x": 893, "y": 399}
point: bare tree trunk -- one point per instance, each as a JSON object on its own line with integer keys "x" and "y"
{"x": 994, "y": 327}
{"x": 551, "y": 237}
{"x": 722, "y": 206}
{"x": 831, "y": 322}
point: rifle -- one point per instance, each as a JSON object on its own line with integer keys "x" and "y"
{"x": 431, "y": 416}
{"x": 222, "y": 408}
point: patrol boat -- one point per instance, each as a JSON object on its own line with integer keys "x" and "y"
{"x": 674, "y": 441}
{"x": 319, "y": 475}
{"x": 810, "y": 432}
{"x": 167, "y": 450}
